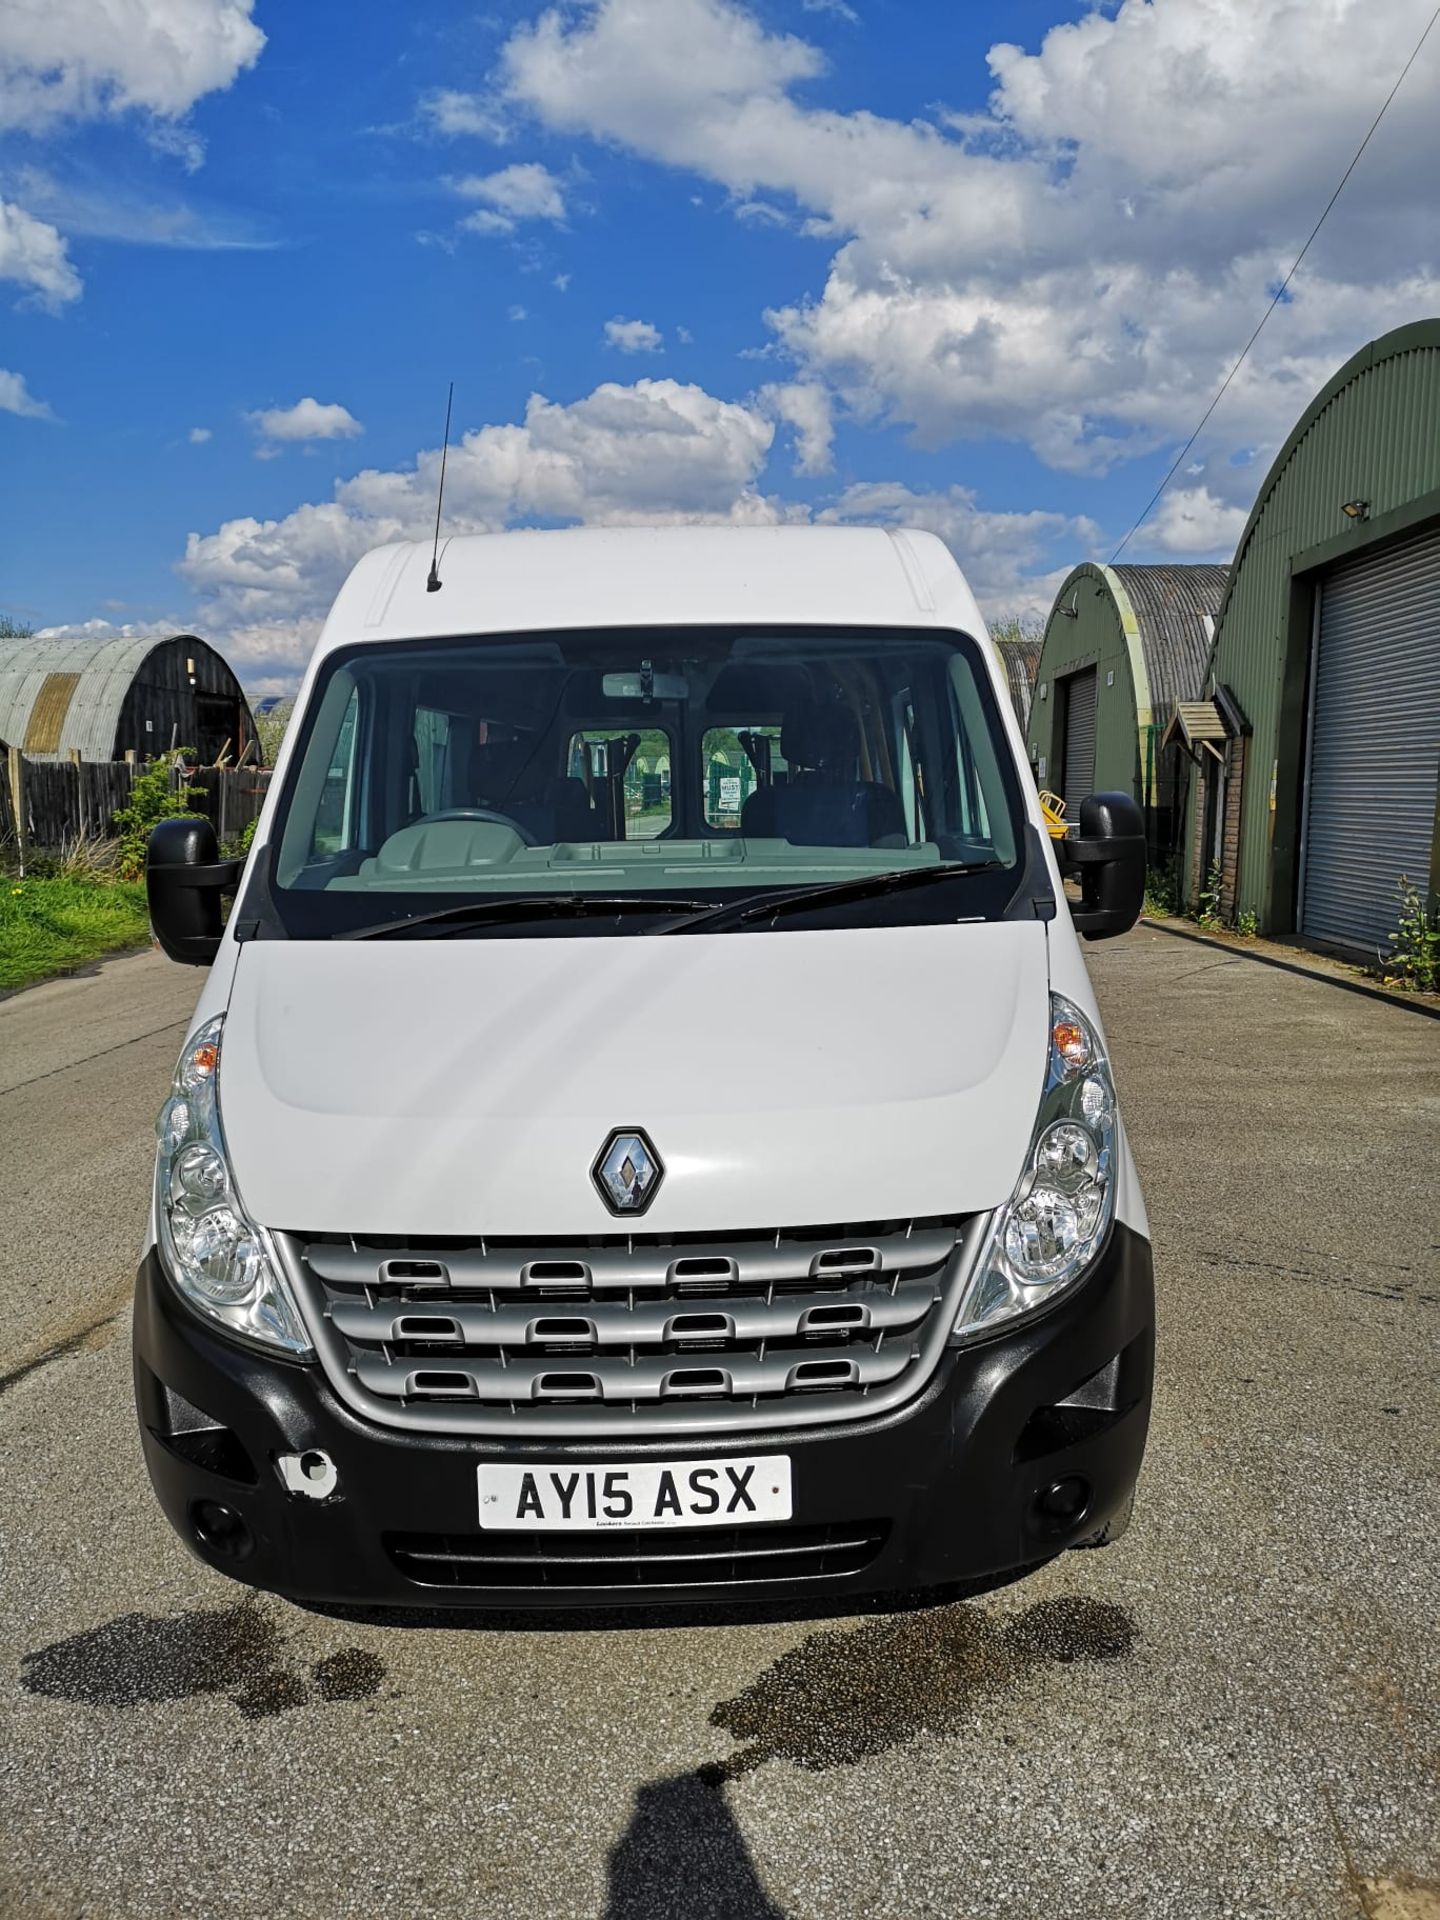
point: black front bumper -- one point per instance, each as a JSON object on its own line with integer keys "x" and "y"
{"x": 950, "y": 1489}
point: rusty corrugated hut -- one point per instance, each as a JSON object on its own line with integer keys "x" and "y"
{"x": 105, "y": 696}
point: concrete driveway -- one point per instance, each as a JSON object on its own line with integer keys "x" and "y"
{"x": 1235, "y": 1712}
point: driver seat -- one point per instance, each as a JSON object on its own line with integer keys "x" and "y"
{"x": 824, "y": 804}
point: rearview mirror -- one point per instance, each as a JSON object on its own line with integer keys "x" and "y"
{"x": 184, "y": 879}
{"x": 645, "y": 685}
{"x": 1107, "y": 857}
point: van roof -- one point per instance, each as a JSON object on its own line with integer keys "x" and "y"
{"x": 653, "y": 576}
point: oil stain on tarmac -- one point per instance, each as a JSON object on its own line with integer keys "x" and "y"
{"x": 841, "y": 1696}
{"x": 142, "y": 1658}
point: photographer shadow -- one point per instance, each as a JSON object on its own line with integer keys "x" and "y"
{"x": 684, "y": 1858}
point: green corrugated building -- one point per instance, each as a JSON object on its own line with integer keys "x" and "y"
{"x": 1318, "y": 747}
{"x": 1122, "y": 646}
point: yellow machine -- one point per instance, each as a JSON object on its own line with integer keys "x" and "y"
{"x": 1053, "y": 808}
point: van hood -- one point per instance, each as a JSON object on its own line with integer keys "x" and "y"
{"x": 786, "y": 1079}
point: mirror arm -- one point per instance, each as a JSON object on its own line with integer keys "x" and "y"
{"x": 222, "y": 874}
{"x": 1098, "y": 853}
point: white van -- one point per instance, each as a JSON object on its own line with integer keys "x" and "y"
{"x": 646, "y": 1132}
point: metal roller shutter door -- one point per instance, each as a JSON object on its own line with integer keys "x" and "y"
{"x": 1079, "y": 768}
{"x": 1374, "y": 742}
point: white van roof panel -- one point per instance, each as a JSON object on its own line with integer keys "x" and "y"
{"x": 654, "y": 576}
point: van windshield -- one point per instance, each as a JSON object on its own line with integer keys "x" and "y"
{"x": 669, "y": 770}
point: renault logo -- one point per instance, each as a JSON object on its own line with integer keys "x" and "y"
{"x": 628, "y": 1171}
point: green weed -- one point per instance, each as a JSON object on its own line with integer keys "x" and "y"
{"x": 54, "y": 925}
{"x": 1414, "y": 958}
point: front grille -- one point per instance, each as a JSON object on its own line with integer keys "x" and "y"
{"x": 629, "y": 1333}
{"x": 678, "y": 1557}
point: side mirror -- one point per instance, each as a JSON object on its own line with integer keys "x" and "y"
{"x": 1107, "y": 857}
{"x": 184, "y": 879}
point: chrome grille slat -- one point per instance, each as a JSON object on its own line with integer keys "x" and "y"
{"x": 648, "y": 1380}
{"x": 649, "y": 1323}
{"x": 756, "y": 1263}
{"x": 710, "y": 1557}
{"x": 632, "y": 1334}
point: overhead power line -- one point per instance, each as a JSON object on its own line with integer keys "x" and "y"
{"x": 1280, "y": 292}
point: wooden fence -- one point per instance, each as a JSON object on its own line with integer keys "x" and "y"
{"x": 47, "y": 805}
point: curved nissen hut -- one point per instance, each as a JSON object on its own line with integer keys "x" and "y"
{"x": 104, "y": 698}
{"x": 1020, "y": 657}
{"x": 1328, "y": 644}
{"x": 1123, "y": 646}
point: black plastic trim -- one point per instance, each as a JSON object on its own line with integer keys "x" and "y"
{"x": 941, "y": 1470}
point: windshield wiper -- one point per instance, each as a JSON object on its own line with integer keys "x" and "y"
{"x": 524, "y": 906}
{"x": 863, "y": 887}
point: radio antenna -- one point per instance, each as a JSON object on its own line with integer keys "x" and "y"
{"x": 433, "y": 581}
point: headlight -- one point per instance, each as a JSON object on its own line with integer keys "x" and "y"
{"x": 1043, "y": 1240}
{"x": 218, "y": 1258}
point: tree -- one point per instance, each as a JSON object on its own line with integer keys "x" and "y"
{"x": 270, "y": 730}
{"x": 153, "y": 798}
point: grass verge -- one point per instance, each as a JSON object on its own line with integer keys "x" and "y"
{"x": 50, "y": 926}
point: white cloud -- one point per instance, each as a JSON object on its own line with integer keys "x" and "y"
{"x": 839, "y": 8}
{"x": 526, "y": 191}
{"x": 999, "y": 553}
{"x": 198, "y": 436}
{"x": 90, "y": 203}
{"x": 633, "y": 336}
{"x": 662, "y": 75}
{"x": 1191, "y": 521}
{"x": 760, "y": 213}
{"x": 486, "y": 220}
{"x": 654, "y": 452}
{"x": 308, "y": 419}
{"x": 109, "y": 629}
{"x": 452, "y": 113}
{"x": 176, "y": 142}
{"x": 806, "y": 406}
{"x": 16, "y": 397}
{"x": 86, "y": 59}
{"x": 33, "y": 255}
{"x": 1076, "y": 266}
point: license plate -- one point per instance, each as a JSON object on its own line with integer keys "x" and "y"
{"x": 659, "y": 1493}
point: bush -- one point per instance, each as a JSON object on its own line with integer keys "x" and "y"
{"x": 1207, "y": 907}
{"x": 239, "y": 847}
{"x": 1162, "y": 890}
{"x": 1414, "y": 960}
{"x": 270, "y": 729}
{"x": 153, "y": 798}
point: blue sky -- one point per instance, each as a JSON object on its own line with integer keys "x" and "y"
{"x": 975, "y": 268}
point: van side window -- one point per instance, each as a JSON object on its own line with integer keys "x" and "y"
{"x": 911, "y": 782}
{"x": 435, "y": 771}
{"x": 984, "y": 816}
{"x": 734, "y": 762}
{"x": 640, "y": 762}
{"x": 335, "y": 816}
